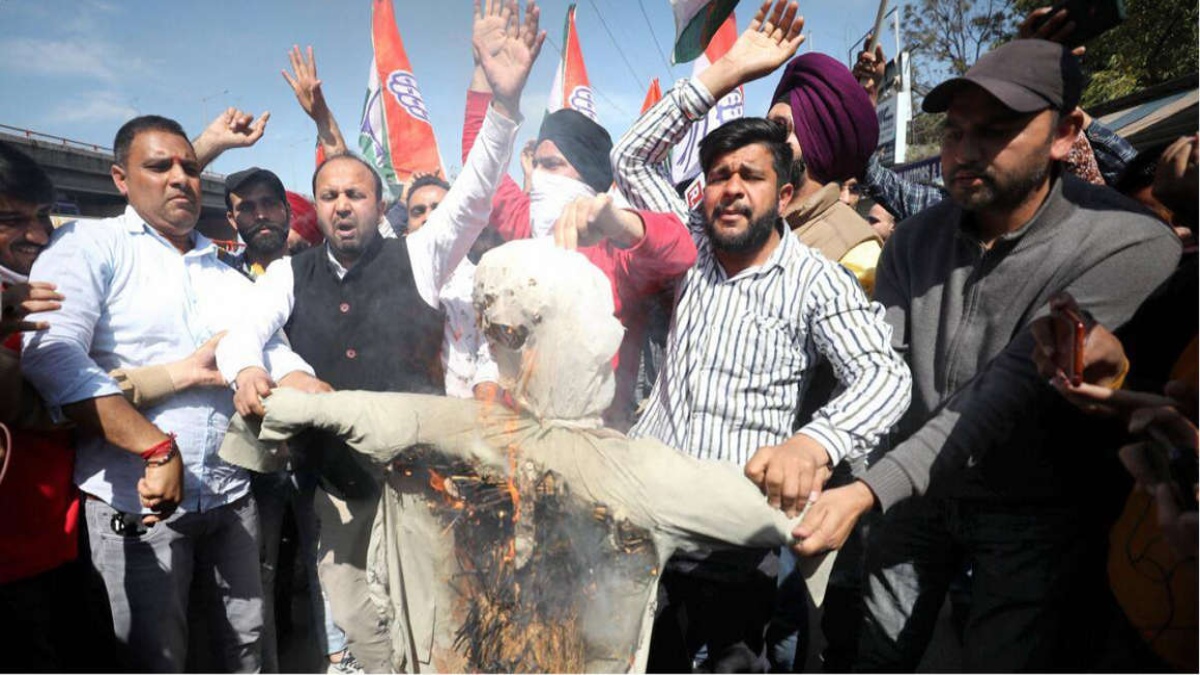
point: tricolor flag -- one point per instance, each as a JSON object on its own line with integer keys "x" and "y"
{"x": 696, "y": 22}
{"x": 653, "y": 95}
{"x": 571, "y": 88}
{"x": 395, "y": 135}
{"x": 685, "y": 160}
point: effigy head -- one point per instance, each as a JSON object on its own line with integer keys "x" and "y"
{"x": 547, "y": 314}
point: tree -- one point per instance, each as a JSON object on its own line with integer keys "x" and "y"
{"x": 945, "y": 37}
{"x": 1156, "y": 42}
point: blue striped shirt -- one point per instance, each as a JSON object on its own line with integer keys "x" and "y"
{"x": 740, "y": 349}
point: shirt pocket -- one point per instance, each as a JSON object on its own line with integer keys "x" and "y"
{"x": 755, "y": 346}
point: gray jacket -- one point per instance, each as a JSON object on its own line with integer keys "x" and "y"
{"x": 982, "y": 423}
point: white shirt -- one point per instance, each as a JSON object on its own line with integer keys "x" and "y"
{"x": 131, "y": 300}
{"x": 466, "y": 358}
{"x": 435, "y": 250}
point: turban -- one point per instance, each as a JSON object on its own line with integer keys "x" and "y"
{"x": 834, "y": 119}
{"x": 304, "y": 218}
{"x": 584, "y": 143}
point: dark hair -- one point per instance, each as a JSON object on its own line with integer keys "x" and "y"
{"x": 353, "y": 158}
{"x": 425, "y": 181}
{"x": 138, "y": 125}
{"x": 747, "y": 131}
{"x": 21, "y": 179}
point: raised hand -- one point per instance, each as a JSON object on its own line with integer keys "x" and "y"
{"x": 231, "y": 129}
{"x": 304, "y": 83}
{"x": 869, "y": 70}
{"x": 770, "y": 40}
{"x": 21, "y": 300}
{"x": 1041, "y": 24}
{"x": 506, "y": 48}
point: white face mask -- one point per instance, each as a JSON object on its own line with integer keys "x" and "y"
{"x": 548, "y": 196}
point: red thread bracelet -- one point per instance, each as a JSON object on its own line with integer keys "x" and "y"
{"x": 160, "y": 449}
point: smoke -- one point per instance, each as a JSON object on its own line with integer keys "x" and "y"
{"x": 544, "y": 580}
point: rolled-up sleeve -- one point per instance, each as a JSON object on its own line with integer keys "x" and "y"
{"x": 80, "y": 262}
{"x": 639, "y": 157}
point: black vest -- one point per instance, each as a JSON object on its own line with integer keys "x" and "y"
{"x": 371, "y": 330}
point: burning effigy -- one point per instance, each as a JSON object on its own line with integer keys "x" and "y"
{"x": 526, "y": 537}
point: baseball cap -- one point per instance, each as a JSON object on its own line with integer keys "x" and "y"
{"x": 234, "y": 181}
{"x": 1025, "y": 75}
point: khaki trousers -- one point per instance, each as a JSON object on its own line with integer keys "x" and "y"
{"x": 345, "y": 532}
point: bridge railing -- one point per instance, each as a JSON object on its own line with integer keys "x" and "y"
{"x": 79, "y": 145}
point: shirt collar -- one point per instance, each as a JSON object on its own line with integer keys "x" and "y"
{"x": 135, "y": 224}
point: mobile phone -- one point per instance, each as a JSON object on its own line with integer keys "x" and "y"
{"x": 128, "y": 524}
{"x": 1091, "y": 18}
{"x": 1078, "y": 339}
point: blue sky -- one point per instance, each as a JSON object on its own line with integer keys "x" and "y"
{"x": 79, "y": 68}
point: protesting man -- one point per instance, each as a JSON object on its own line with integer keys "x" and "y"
{"x": 161, "y": 509}
{"x": 366, "y": 311}
{"x": 991, "y": 467}
{"x": 571, "y": 161}
{"x": 752, "y": 316}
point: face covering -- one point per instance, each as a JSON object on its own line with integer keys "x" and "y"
{"x": 548, "y": 196}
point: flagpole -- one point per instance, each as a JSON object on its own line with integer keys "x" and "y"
{"x": 878, "y": 25}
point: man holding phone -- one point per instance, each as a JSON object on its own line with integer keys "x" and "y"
{"x": 989, "y": 466}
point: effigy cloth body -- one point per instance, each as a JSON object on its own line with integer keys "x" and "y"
{"x": 526, "y": 538}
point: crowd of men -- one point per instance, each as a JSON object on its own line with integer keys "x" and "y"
{"x": 962, "y": 387}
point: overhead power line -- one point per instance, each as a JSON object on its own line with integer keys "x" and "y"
{"x": 638, "y": 80}
{"x": 661, "y": 53}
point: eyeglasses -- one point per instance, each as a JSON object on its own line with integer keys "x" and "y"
{"x": 505, "y": 336}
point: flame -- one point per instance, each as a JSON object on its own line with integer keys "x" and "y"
{"x": 437, "y": 482}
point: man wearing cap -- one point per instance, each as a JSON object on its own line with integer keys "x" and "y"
{"x": 257, "y": 207}
{"x": 990, "y": 467}
{"x": 571, "y": 161}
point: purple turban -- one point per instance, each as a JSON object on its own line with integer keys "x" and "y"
{"x": 835, "y": 121}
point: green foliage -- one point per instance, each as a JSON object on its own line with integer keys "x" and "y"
{"x": 1156, "y": 42}
{"x": 946, "y": 36}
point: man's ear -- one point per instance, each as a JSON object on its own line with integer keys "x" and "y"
{"x": 785, "y": 195}
{"x": 1069, "y": 126}
{"x": 232, "y": 221}
{"x": 118, "y": 176}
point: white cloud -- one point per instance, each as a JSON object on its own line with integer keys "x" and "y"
{"x": 99, "y": 106}
{"x": 95, "y": 60}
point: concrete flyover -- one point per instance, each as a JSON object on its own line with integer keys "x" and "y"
{"x": 81, "y": 175}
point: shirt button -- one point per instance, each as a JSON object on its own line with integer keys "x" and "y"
{"x": 350, "y": 354}
{"x": 345, "y": 307}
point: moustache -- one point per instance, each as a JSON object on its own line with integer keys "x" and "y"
{"x": 980, "y": 171}
{"x": 26, "y": 247}
{"x": 734, "y": 209}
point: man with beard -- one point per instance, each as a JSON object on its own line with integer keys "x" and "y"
{"x": 257, "y": 207}
{"x": 367, "y": 313}
{"x": 751, "y": 316}
{"x": 570, "y": 162}
{"x": 162, "y": 511}
{"x": 989, "y": 466}
{"x": 741, "y": 363}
